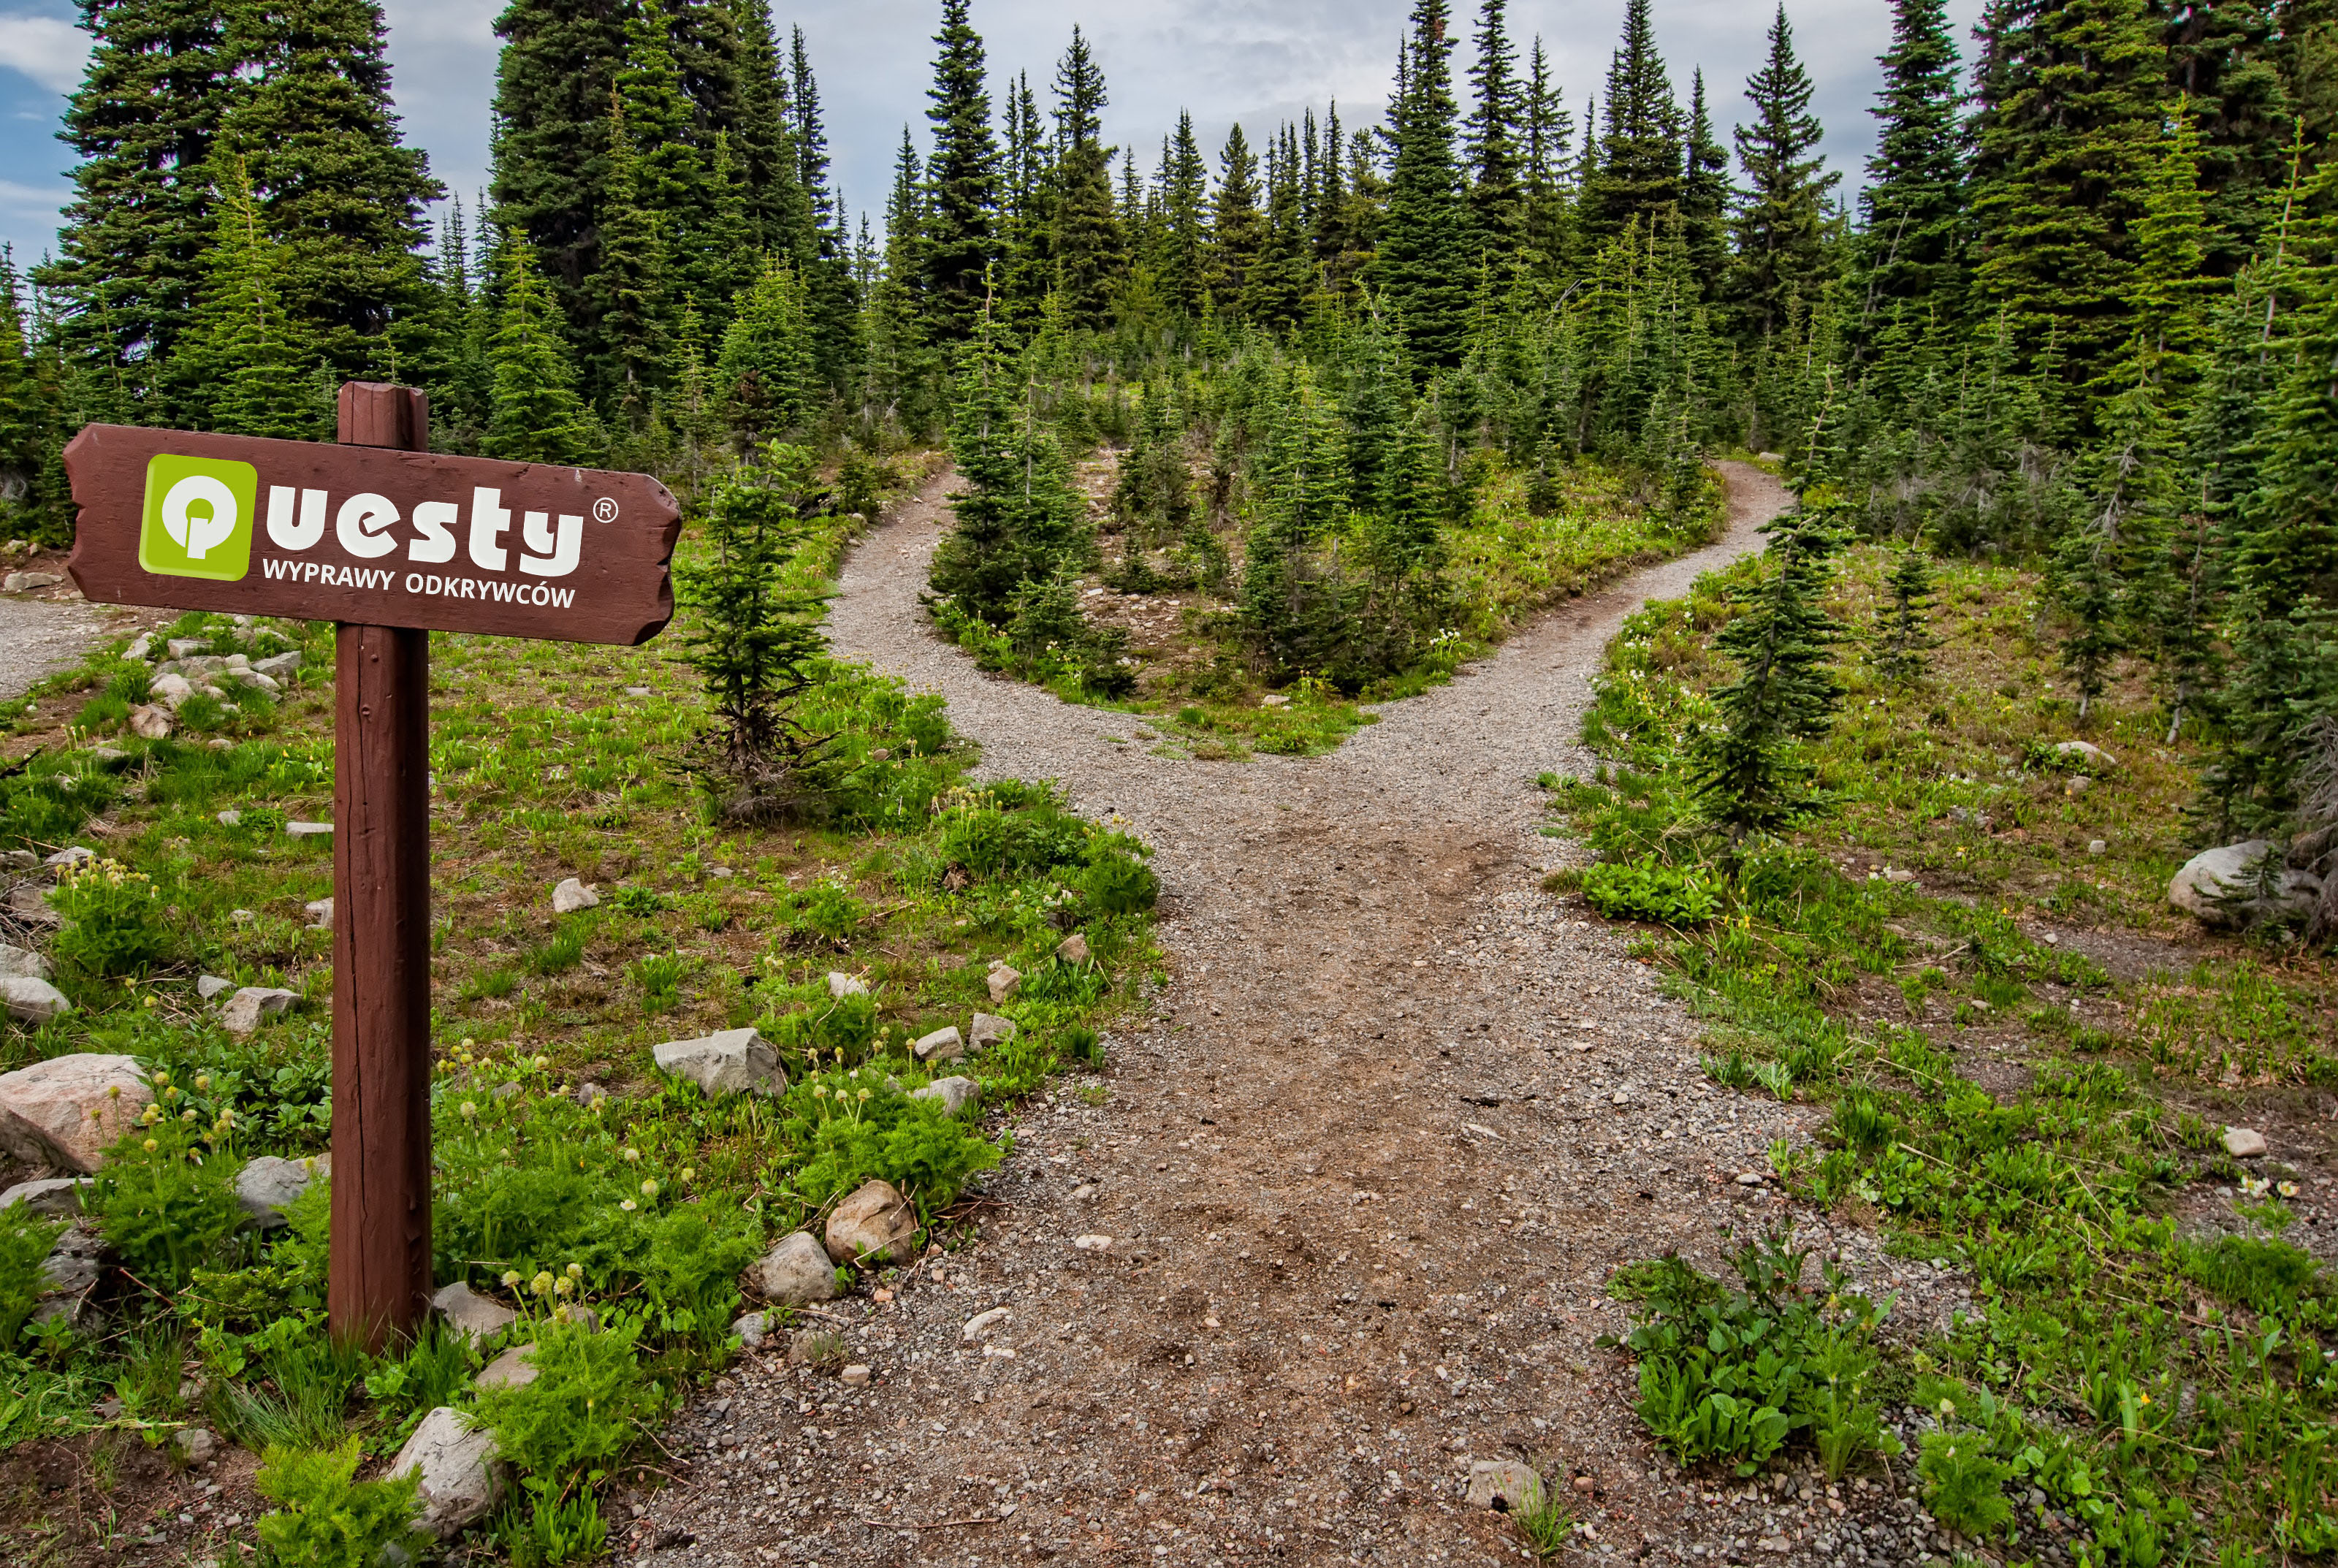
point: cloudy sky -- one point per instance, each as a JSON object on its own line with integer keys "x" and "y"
{"x": 1225, "y": 60}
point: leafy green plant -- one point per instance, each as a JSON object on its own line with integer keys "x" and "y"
{"x": 328, "y": 1519}
{"x": 827, "y": 909}
{"x": 113, "y": 918}
{"x": 588, "y": 1403}
{"x": 1645, "y": 889}
{"x": 24, "y": 1243}
{"x": 852, "y": 1132}
{"x": 1963, "y": 1481}
{"x": 542, "y": 1532}
{"x": 1547, "y": 1526}
{"x": 659, "y": 975}
{"x": 164, "y": 1199}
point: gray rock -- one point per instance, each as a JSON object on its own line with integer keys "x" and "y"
{"x": 590, "y": 1094}
{"x": 2244, "y": 1143}
{"x": 854, "y": 1376}
{"x": 1005, "y": 979}
{"x": 18, "y": 860}
{"x": 988, "y": 1029}
{"x": 840, "y": 985}
{"x": 20, "y": 963}
{"x": 25, "y": 582}
{"x": 874, "y": 1224}
{"x": 310, "y": 830}
{"x": 267, "y": 1186}
{"x": 281, "y": 667}
{"x": 1073, "y": 949}
{"x": 184, "y": 647}
{"x": 796, "y": 1271}
{"x": 321, "y": 914}
{"x": 249, "y": 1006}
{"x": 140, "y": 647}
{"x": 2097, "y": 846}
{"x": 733, "y": 1062}
{"x": 169, "y": 689}
{"x": 151, "y": 721}
{"x": 70, "y": 1272}
{"x": 570, "y": 895}
{"x": 469, "y": 1313}
{"x": 462, "y": 1478}
{"x": 67, "y": 1111}
{"x": 2086, "y": 752}
{"x": 70, "y": 855}
{"x": 752, "y": 1328}
{"x": 56, "y": 1198}
{"x": 230, "y": 819}
{"x": 954, "y": 1093}
{"x": 1506, "y": 1485}
{"x": 208, "y": 986}
{"x": 28, "y": 907}
{"x": 512, "y": 1369}
{"x": 2237, "y": 886}
{"x": 194, "y": 1444}
{"x": 943, "y": 1044}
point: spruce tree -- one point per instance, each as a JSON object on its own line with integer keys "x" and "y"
{"x": 1781, "y": 218}
{"x": 248, "y": 368}
{"x": 958, "y": 240}
{"x": 1017, "y": 518}
{"x": 27, "y": 428}
{"x": 130, "y": 258}
{"x": 767, "y": 365}
{"x": 1497, "y": 199}
{"x": 1089, "y": 250}
{"x": 1910, "y": 250}
{"x": 536, "y": 416}
{"x": 1636, "y": 168}
{"x": 831, "y": 299}
{"x": 631, "y": 287}
{"x": 2248, "y": 69}
{"x": 1550, "y": 132}
{"x": 779, "y": 212}
{"x": 1237, "y": 228}
{"x": 1902, "y": 635}
{"x": 554, "y": 79}
{"x": 2171, "y": 242}
{"x": 1183, "y": 251}
{"x": 1422, "y": 266}
{"x": 1752, "y": 775}
{"x": 1278, "y": 287}
{"x": 1704, "y": 189}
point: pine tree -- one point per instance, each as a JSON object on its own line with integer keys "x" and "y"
{"x": 1753, "y": 777}
{"x": 2171, "y": 240}
{"x": 2226, "y": 59}
{"x": 1636, "y": 171}
{"x": 779, "y": 212}
{"x": 1496, "y": 200}
{"x": 27, "y": 428}
{"x": 248, "y": 368}
{"x": 831, "y": 300}
{"x": 1902, "y": 635}
{"x": 554, "y": 79}
{"x": 1422, "y": 262}
{"x": 1237, "y": 229}
{"x": 1183, "y": 256}
{"x": 1705, "y": 194}
{"x": 766, "y": 368}
{"x": 1781, "y": 220}
{"x": 959, "y": 236}
{"x": 1909, "y": 251}
{"x": 1090, "y": 254}
{"x": 631, "y": 297}
{"x": 536, "y": 416}
{"x": 143, "y": 125}
{"x": 1549, "y": 134}
{"x": 1278, "y": 286}
{"x": 1018, "y": 520}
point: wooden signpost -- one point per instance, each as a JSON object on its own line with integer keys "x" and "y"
{"x": 392, "y": 543}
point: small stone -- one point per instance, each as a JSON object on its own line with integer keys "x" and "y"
{"x": 2086, "y": 752}
{"x": 310, "y": 830}
{"x": 854, "y": 1376}
{"x": 1899, "y": 874}
{"x": 230, "y": 819}
{"x": 572, "y": 896}
{"x": 2244, "y": 1143}
{"x": 2096, "y": 846}
{"x": 55, "y": 1198}
{"x": 590, "y": 1094}
{"x": 268, "y": 1187}
{"x": 26, "y": 905}
{"x": 184, "y": 647}
{"x": 1093, "y": 1243}
{"x": 467, "y": 1312}
{"x": 840, "y": 985}
{"x": 732, "y": 1062}
{"x": 70, "y": 855}
{"x": 250, "y": 1007}
{"x": 873, "y": 1224}
{"x": 321, "y": 914}
{"x": 141, "y": 646}
{"x": 31, "y": 1001}
{"x": 512, "y": 1369}
{"x": 1005, "y": 979}
{"x": 18, "y": 860}
{"x": 242, "y": 917}
{"x": 209, "y": 985}
{"x": 2237, "y": 886}
{"x": 1506, "y": 1485}
{"x": 194, "y": 1444}
{"x": 462, "y": 1478}
{"x": 1587, "y": 1484}
{"x": 797, "y": 1271}
{"x": 170, "y": 690}
{"x": 70, "y": 1272}
{"x": 988, "y": 1029}
{"x": 637, "y": 690}
{"x": 982, "y": 1323}
{"x": 2077, "y": 784}
{"x": 279, "y": 667}
{"x": 943, "y": 1044}
{"x": 67, "y": 1111}
{"x": 22, "y": 963}
{"x": 25, "y": 582}
{"x": 956, "y": 1093}
{"x": 1073, "y": 949}
{"x": 822, "y": 1349}
{"x": 151, "y": 721}
{"x": 752, "y": 1328}
{"x": 1749, "y": 1178}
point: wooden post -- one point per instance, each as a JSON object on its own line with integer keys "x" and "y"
{"x": 379, "y": 1281}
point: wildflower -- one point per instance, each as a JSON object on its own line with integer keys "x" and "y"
{"x": 2287, "y": 1189}
{"x": 541, "y": 1062}
{"x": 151, "y": 1145}
{"x": 2142, "y": 1399}
{"x": 689, "y": 1173}
{"x": 542, "y": 1283}
{"x": 171, "y": 1093}
{"x": 162, "y": 1077}
{"x": 511, "y": 1278}
{"x": 650, "y": 1189}
{"x": 202, "y": 1082}
{"x": 113, "y": 1091}
{"x": 563, "y": 1286}
{"x": 149, "y": 998}
{"x": 188, "y": 1114}
{"x": 2254, "y": 1186}
{"x": 576, "y": 1271}
{"x": 632, "y": 1156}
{"x": 227, "y": 1117}
{"x": 629, "y": 1205}
{"x": 470, "y": 1113}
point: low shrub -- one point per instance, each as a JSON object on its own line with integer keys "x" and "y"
{"x": 24, "y": 1243}
{"x": 113, "y": 918}
{"x": 164, "y": 1199}
{"x": 588, "y": 1403}
{"x": 331, "y": 1520}
{"x": 1647, "y": 889}
{"x": 852, "y": 1128}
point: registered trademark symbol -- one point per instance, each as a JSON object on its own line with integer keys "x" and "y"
{"x": 605, "y": 510}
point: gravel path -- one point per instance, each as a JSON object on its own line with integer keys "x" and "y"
{"x": 1364, "y": 1173}
{"x": 38, "y": 638}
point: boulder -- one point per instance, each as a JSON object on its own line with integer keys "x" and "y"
{"x": 31, "y": 1001}
{"x": 840, "y": 985}
{"x": 468, "y": 1313}
{"x": 25, "y": 582}
{"x": 2233, "y": 888}
{"x": 2244, "y": 1143}
{"x": 874, "y": 1224}
{"x": 70, "y": 855}
{"x": 1004, "y": 981}
{"x": 28, "y": 907}
{"x": 943, "y": 1044}
{"x": 2087, "y": 752}
{"x": 279, "y": 667}
{"x": 1073, "y": 949}
{"x": 989, "y": 1029}
{"x": 56, "y": 1198}
{"x": 796, "y": 1271}
{"x": 151, "y": 721}
{"x": 246, "y": 1009}
{"x": 267, "y": 1186}
{"x": 211, "y": 986}
{"x": 462, "y": 1478}
{"x": 570, "y": 895}
{"x": 1506, "y": 1485}
{"x": 512, "y": 1369}
{"x": 954, "y": 1093}
{"x": 733, "y": 1062}
{"x": 66, "y": 1111}
{"x": 170, "y": 690}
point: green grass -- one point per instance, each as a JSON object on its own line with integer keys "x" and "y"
{"x": 2169, "y": 1389}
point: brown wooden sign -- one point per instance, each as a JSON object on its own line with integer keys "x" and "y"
{"x": 370, "y": 535}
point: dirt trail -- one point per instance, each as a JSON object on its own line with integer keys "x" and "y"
{"x": 1364, "y": 1174}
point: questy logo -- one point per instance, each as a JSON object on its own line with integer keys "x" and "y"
{"x": 199, "y": 518}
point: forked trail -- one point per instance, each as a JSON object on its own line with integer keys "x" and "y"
{"x": 1364, "y": 1174}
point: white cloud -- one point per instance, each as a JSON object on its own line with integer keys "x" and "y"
{"x": 49, "y": 50}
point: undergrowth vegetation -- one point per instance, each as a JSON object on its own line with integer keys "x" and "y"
{"x": 569, "y": 1174}
{"x": 2147, "y": 1348}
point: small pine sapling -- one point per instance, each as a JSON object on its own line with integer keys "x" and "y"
{"x": 1902, "y": 635}
{"x": 1751, "y": 776}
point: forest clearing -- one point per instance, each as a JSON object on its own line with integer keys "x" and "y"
{"x": 1466, "y": 836}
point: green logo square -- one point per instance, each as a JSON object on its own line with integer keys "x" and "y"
{"x": 199, "y": 518}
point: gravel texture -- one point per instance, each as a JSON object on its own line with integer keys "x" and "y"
{"x": 38, "y": 638}
{"x": 1364, "y": 1172}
